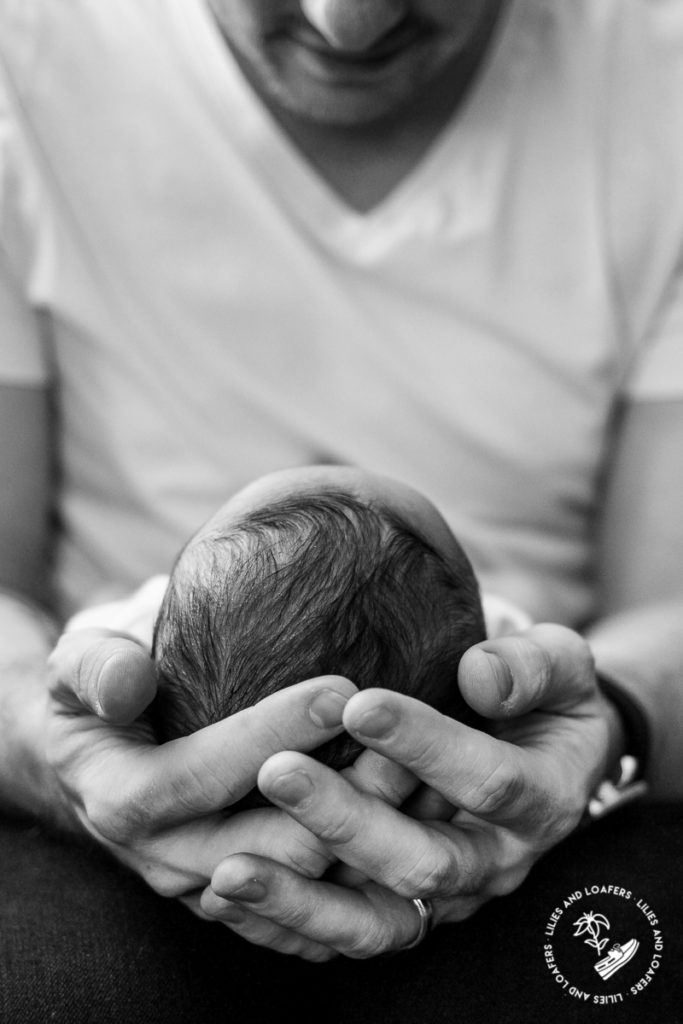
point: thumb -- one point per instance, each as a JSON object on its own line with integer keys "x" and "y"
{"x": 99, "y": 671}
{"x": 547, "y": 666}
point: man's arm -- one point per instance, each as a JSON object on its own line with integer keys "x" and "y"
{"x": 25, "y": 638}
{"x": 26, "y": 631}
{"x": 523, "y": 790}
{"x": 105, "y": 777}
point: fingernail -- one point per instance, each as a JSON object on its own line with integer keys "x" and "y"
{"x": 376, "y": 722}
{"x": 499, "y": 673}
{"x": 250, "y": 891}
{"x": 327, "y": 708}
{"x": 291, "y": 788}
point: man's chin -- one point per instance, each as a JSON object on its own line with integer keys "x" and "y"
{"x": 337, "y": 106}
{"x": 343, "y": 116}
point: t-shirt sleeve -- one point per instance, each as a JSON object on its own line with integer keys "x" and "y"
{"x": 22, "y": 357}
{"x": 657, "y": 372}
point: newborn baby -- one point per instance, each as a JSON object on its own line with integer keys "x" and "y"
{"x": 309, "y": 572}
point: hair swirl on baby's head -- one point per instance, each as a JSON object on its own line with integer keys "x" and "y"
{"x": 309, "y": 586}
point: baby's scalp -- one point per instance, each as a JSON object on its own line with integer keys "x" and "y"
{"x": 314, "y": 572}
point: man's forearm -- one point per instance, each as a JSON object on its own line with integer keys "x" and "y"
{"x": 643, "y": 649}
{"x": 26, "y": 782}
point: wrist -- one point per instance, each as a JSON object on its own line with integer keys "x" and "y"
{"x": 635, "y": 738}
{"x": 28, "y": 785}
{"x": 628, "y": 751}
{"x": 616, "y": 733}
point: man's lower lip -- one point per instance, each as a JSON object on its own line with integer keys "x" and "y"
{"x": 381, "y": 56}
{"x": 335, "y": 67}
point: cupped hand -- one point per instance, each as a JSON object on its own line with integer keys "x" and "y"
{"x": 490, "y": 805}
{"x": 161, "y": 808}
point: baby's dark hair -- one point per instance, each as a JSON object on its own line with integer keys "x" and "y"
{"x": 311, "y": 585}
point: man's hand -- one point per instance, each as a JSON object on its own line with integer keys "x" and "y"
{"x": 160, "y": 809}
{"x": 489, "y": 808}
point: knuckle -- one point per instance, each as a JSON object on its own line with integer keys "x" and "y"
{"x": 499, "y": 793}
{"x": 341, "y": 831}
{"x": 103, "y": 814}
{"x": 430, "y": 753}
{"x": 429, "y": 878}
{"x": 560, "y": 820}
{"x": 439, "y": 881}
{"x": 109, "y": 821}
{"x": 309, "y": 863}
{"x": 538, "y": 678}
{"x": 295, "y": 917}
{"x": 371, "y": 942}
{"x": 114, "y": 818}
{"x": 193, "y": 786}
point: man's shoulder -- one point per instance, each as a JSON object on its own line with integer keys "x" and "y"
{"x": 616, "y": 35}
{"x": 641, "y": 101}
{"x": 640, "y": 104}
{"x": 38, "y": 35}
{"x": 18, "y": 35}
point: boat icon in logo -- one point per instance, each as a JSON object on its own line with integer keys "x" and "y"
{"x": 617, "y": 957}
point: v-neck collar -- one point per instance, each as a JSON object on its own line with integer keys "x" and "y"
{"x": 295, "y": 181}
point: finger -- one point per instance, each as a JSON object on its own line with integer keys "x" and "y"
{"x": 378, "y": 776}
{"x": 178, "y": 863}
{"x": 180, "y": 860}
{"x": 548, "y": 667}
{"x": 102, "y": 672}
{"x": 492, "y": 779}
{"x": 260, "y": 931}
{"x": 216, "y": 766}
{"x": 356, "y": 923}
{"x": 357, "y": 828}
{"x": 428, "y": 805}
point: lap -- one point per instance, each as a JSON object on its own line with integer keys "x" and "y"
{"x": 81, "y": 940}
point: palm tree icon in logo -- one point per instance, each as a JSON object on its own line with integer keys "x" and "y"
{"x": 590, "y": 922}
{"x": 618, "y": 955}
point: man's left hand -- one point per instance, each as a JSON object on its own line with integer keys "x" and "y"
{"x": 488, "y": 808}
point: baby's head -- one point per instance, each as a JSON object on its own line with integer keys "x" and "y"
{"x": 317, "y": 571}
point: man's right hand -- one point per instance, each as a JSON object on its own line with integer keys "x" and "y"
{"x": 160, "y": 808}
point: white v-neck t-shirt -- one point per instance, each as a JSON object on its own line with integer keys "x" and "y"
{"x": 211, "y": 310}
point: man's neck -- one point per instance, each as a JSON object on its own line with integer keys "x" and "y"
{"x": 364, "y": 163}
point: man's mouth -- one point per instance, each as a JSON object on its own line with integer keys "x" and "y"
{"x": 403, "y": 36}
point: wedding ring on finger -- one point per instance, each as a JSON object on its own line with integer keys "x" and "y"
{"x": 425, "y": 911}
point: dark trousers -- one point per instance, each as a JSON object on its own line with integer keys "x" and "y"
{"x": 82, "y": 940}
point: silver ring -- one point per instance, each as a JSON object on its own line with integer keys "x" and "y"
{"x": 426, "y": 911}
